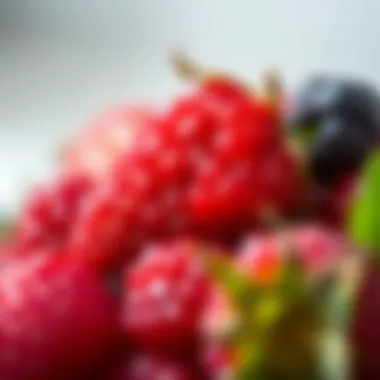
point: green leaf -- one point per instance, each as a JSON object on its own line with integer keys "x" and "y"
{"x": 238, "y": 287}
{"x": 364, "y": 216}
{"x": 305, "y": 134}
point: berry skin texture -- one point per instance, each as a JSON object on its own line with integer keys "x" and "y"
{"x": 104, "y": 139}
{"x": 151, "y": 367}
{"x": 56, "y": 321}
{"x": 344, "y": 120}
{"x": 319, "y": 249}
{"x": 209, "y": 168}
{"x": 50, "y": 212}
{"x": 165, "y": 293}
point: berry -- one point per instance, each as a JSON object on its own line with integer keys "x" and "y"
{"x": 332, "y": 205}
{"x": 339, "y": 148}
{"x": 342, "y": 122}
{"x": 217, "y": 361}
{"x": 208, "y": 168}
{"x": 104, "y": 139}
{"x": 56, "y": 320}
{"x": 165, "y": 292}
{"x": 151, "y": 367}
{"x": 47, "y": 218}
{"x": 262, "y": 260}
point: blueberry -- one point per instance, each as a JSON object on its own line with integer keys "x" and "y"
{"x": 315, "y": 98}
{"x": 339, "y": 146}
{"x": 339, "y": 121}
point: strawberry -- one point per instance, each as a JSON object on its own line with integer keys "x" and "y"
{"x": 56, "y": 321}
{"x": 105, "y": 137}
{"x": 47, "y": 217}
{"x": 165, "y": 292}
{"x": 153, "y": 367}
{"x": 209, "y": 167}
{"x": 270, "y": 265}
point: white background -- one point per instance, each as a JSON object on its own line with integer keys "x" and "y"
{"x": 61, "y": 61}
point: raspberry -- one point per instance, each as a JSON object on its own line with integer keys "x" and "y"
{"x": 151, "y": 367}
{"x": 165, "y": 292}
{"x": 49, "y": 214}
{"x": 105, "y": 138}
{"x": 56, "y": 320}
{"x": 206, "y": 168}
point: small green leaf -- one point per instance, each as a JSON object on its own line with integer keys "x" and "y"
{"x": 238, "y": 287}
{"x": 305, "y": 134}
{"x": 364, "y": 216}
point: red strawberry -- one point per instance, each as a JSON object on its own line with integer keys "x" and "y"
{"x": 104, "y": 139}
{"x": 262, "y": 259}
{"x": 207, "y": 168}
{"x": 56, "y": 321}
{"x": 47, "y": 218}
{"x": 165, "y": 292}
{"x": 151, "y": 367}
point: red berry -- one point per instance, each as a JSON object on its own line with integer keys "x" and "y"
{"x": 56, "y": 320}
{"x": 104, "y": 139}
{"x": 50, "y": 213}
{"x": 165, "y": 292}
{"x": 319, "y": 249}
{"x": 218, "y": 362}
{"x": 196, "y": 171}
{"x": 151, "y": 367}
{"x": 262, "y": 258}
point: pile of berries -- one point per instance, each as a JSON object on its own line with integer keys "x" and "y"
{"x": 194, "y": 242}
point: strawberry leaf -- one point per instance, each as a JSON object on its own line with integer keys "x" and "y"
{"x": 364, "y": 216}
{"x": 238, "y": 287}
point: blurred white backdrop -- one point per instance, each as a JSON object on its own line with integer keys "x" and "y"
{"x": 62, "y": 61}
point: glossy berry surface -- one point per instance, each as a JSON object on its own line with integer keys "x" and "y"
{"x": 211, "y": 167}
{"x": 152, "y": 367}
{"x": 56, "y": 320}
{"x": 103, "y": 140}
{"x": 50, "y": 212}
{"x": 342, "y": 120}
{"x": 165, "y": 292}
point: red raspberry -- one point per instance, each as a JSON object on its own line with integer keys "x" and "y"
{"x": 202, "y": 169}
{"x": 56, "y": 321}
{"x": 151, "y": 367}
{"x": 104, "y": 139}
{"x": 47, "y": 218}
{"x": 165, "y": 292}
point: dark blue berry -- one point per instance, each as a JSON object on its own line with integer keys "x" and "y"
{"x": 341, "y": 120}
